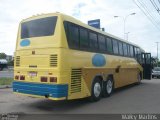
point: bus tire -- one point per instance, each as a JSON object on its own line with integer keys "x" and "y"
{"x": 108, "y": 87}
{"x": 96, "y": 90}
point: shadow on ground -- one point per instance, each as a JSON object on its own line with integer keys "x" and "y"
{"x": 70, "y": 105}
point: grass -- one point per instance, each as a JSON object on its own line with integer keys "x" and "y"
{"x": 6, "y": 81}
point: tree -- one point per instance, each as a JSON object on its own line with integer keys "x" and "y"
{"x": 3, "y": 56}
{"x": 153, "y": 61}
{"x": 159, "y": 63}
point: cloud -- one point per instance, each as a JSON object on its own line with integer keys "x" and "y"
{"x": 142, "y": 31}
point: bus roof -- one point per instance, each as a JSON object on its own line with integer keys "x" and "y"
{"x": 78, "y": 22}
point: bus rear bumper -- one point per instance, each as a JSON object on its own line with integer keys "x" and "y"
{"x": 50, "y": 91}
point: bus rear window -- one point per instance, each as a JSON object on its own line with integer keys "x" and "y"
{"x": 38, "y": 27}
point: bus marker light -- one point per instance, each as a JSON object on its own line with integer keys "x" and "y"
{"x": 43, "y": 79}
{"x": 53, "y": 79}
{"x": 49, "y": 73}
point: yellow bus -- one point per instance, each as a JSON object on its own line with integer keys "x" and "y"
{"x": 60, "y": 58}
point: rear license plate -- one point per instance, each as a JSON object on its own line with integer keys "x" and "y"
{"x": 32, "y": 74}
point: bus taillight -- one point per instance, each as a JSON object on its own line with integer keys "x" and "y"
{"x": 16, "y": 77}
{"x": 22, "y": 77}
{"x": 43, "y": 79}
{"x": 53, "y": 79}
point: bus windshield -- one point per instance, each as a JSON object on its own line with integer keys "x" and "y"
{"x": 38, "y": 27}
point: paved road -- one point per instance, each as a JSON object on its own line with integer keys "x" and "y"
{"x": 6, "y": 73}
{"x": 143, "y": 98}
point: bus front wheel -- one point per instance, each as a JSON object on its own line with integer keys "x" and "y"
{"x": 96, "y": 90}
{"x": 108, "y": 87}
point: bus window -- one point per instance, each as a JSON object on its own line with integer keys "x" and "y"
{"x": 84, "y": 42}
{"x": 131, "y": 51}
{"x": 125, "y": 49}
{"x": 38, "y": 27}
{"x": 73, "y": 36}
{"x": 93, "y": 40}
{"x": 128, "y": 49}
{"x": 138, "y": 51}
{"x": 102, "y": 42}
{"x": 120, "y": 48}
{"x": 135, "y": 52}
{"x": 115, "y": 46}
{"x": 109, "y": 45}
{"x": 148, "y": 58}
{"x": 143, "y": 59}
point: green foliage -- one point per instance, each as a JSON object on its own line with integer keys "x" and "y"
{"x": 11, "y": 63}
{"x": 154, "y": 62}
{"x": 6, "y": 81}
{"x": 3, "y": 56}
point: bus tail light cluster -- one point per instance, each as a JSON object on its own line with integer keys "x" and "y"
{"x": 53, "y": 79}
{"x": 22, "y": 77}
{"x": 43, "y": 79}
{"x": 16, "y": 77}
{"x": 19, "y": 77}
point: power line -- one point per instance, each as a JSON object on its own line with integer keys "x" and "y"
{"x": 149, "y": 16}
{"x": 154, "y": 18}
{"x": 155, "y": 6}
{"x": 150, "y": 19}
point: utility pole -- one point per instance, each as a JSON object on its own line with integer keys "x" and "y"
{"x": 157, "y": 52}
{"x": 127, "y": 35}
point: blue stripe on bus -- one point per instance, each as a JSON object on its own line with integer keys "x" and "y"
{"x": 56, "y": 90}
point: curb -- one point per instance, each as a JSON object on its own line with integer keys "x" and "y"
{"x": 5, "y": 86}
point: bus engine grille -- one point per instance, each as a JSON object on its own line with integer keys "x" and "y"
{"x": 76, "y": 75}
{"x": 53, "y": 60}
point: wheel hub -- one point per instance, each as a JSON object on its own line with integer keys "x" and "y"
{"x": 97, "y": 89}
{"x": 109, "y": 86}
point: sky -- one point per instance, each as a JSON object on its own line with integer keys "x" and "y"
{"x": 141, "y": 30}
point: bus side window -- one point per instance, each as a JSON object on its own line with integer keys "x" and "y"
{"x": 125, "y": 49}
{"x": 84, "y": 42}
{"x": 120, "y": 48}
{"x": 73, "y": 36}
{"x": 115, "y": 46}
{"x": 93, "y": 40}
{"x": 102, "y": 42}
{"x": 128, "y": 49}
{"x": 109, "y": 45}
{"x": 135, "y": 52}
{"x": 131, "y": 51}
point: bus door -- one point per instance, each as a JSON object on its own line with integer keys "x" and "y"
{"x": 146, "y": 64}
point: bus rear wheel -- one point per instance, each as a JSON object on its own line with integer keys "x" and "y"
{"x": 96, "y": 90}
{"x": 108, "y": 87}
